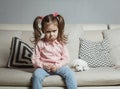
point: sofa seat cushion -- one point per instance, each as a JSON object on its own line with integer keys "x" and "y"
{"x": 14, "y": 77}
{"x": 99, "y": 76}
{"x": 23, "y": 77}
{"x": 94, "y": 76}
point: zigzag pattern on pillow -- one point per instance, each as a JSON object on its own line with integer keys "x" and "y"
{"x": 97, "y": 54}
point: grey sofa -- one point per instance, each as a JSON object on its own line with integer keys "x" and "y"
{"x": 20, "y": 78}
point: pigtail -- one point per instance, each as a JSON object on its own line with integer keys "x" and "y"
{"x": 37, "y": 29}
{"x": 40, "y": 23}
{"x": 61, "y": 24}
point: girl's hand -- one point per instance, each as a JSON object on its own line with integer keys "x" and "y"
{"x": 50, "y": 68}
{"x": 47, "y": 67}
{"x": 54, "y": 68}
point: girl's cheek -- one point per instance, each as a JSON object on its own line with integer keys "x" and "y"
{"x": 47, "y": 36}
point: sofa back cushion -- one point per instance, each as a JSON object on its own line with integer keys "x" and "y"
{"x": 5, "y": 42}
{"x": 114, "y": 26}
{"x": 113, "y": 35}
{"x": 73, "y": 31}
{"x": 25, "y": 33}
{"x": 90, "y": 44}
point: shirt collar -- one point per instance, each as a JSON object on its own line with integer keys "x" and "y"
{"x": 52, "y": 43}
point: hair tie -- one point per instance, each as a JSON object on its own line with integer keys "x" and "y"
{"x": 55, "y": 14}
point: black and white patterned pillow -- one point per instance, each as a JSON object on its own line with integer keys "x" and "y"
{"x": 20, "y": 54}
{"x": 97, "y": 54}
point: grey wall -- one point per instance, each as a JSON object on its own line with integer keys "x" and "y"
{"x": 74, "y": 11}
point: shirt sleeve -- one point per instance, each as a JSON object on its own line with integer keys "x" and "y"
{"x": 65, "y": 57}
{"x": 36, "y": 57}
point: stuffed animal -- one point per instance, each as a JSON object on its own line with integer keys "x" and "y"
{"x": 80, "y": 65}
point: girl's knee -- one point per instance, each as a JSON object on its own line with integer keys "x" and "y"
{"x": 67, "y": 72}
{"x": 37, "y": 73}
{"x": 70, "y": 73}
{"x": 40, "y": 73}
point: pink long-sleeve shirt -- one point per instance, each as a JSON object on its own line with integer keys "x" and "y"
{"x": 52, "y": 53}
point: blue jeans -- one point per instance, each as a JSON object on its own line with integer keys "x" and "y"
{"x": 65, "y": 72}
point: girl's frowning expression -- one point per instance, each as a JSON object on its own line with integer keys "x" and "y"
{"x": 51, "y": 32}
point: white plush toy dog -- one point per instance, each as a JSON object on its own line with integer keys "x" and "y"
{"x": 80, "y": 65}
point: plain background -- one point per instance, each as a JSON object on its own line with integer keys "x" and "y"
{"x": 73, "y": 11}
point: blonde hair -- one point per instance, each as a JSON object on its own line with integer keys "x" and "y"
{"x": 40, "y": 23}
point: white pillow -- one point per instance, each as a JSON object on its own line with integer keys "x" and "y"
{"x": 114, "y": 36}
{"x": 97, "y": 54}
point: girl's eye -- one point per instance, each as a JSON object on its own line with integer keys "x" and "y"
{"x": 48, "y": 31}
{"x": 54, "y": 30}
{"x": 51, "y": 31}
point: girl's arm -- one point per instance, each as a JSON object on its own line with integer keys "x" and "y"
{"x": 36, "y": 57}
{"x": 65, "y": 57}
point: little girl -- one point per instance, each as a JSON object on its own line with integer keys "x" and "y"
{"x": 51, "y": 56}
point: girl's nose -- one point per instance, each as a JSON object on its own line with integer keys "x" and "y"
{"x": 51, "y": 33}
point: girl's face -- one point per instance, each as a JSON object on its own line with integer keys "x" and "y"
{"x": 51, "y": 32}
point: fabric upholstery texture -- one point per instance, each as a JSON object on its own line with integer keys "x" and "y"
{"x": 21, "y": 78}
{"x": 96, "y": 54}
{"x": 73, "y": 32}
{"x": 113, "y": 36}
{"x": 97, "y": 76}
{"x": 92, "y": 35}
{"x": 5, "y": 38}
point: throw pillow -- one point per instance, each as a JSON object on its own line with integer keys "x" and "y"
{"x": 97, "y": 54}
{"x": 20, "y": 54}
